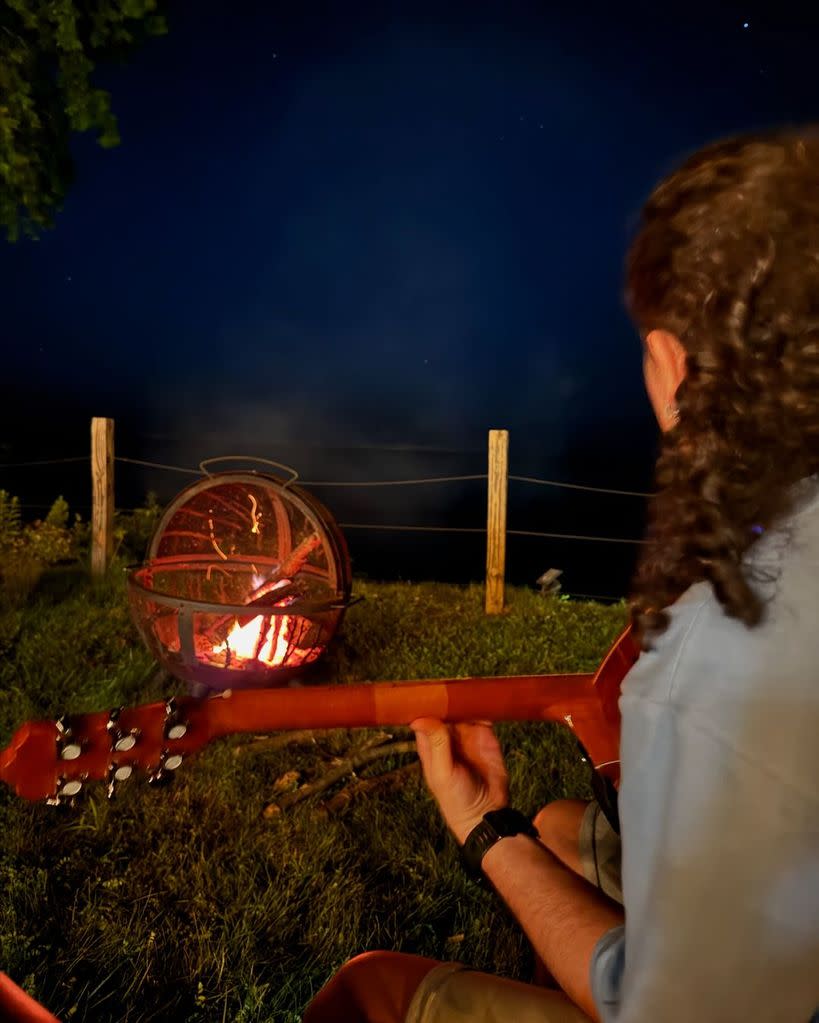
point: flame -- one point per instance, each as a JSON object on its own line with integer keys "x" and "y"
{"x": 244, "y": 640}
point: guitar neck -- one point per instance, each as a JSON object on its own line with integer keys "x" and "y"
{"x": 44, "y": 757}
{"x": 369, "y": 705}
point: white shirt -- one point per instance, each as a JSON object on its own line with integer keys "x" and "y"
{"x": 719, "y": 804}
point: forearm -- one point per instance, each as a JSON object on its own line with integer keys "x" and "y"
{"x": 563, "y": 915}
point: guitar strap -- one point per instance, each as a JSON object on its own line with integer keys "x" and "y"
{"x": 606, "y": 795}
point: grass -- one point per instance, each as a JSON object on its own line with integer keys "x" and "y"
{"x": 185, "y": 903}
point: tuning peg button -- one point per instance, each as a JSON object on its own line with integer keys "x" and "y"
{"x": 67, "y": 746}
{"x": 67, "y": 790}
{"x": 168, "y": 764}
{"x": 117, "y": 774}
{"x": 121, "y": 741}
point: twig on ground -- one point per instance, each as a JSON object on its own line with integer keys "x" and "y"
{"x": 381, "y": 782}
{"x": 303, "y": 737}
{"x": 363, "y": 755}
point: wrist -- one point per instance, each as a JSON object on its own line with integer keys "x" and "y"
{"x": 495, "y": 853}
{"x": 462, "y": 829}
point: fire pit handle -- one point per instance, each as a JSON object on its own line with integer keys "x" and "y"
{"x": 342, "y": 604}
{"x": 250, "y": 458}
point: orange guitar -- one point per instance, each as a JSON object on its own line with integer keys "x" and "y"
{"x": 55, "y": 760}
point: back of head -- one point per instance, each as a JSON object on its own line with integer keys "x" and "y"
{"x": 727, "y": 259}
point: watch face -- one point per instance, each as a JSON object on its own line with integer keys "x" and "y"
{"x": 507, "y": 822}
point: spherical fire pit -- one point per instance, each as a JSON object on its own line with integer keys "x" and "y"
{"x": 247, "y": 580}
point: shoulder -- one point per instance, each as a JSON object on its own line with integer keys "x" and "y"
{"x": 705, "y": 655}
{"x": 653, "y": 675}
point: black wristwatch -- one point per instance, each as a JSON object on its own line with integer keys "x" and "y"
{"x": 496, "y": 824}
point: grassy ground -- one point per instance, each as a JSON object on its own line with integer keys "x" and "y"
{"x": 187, "y": 903}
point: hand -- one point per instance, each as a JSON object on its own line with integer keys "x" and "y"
{"x": 464, "y": 770}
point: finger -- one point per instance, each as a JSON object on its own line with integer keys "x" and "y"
{"x": 477, "y": 741}
{"x": 434, "y": 746}
{"x": 478, "y": 746}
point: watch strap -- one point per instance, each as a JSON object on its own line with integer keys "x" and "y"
{"x": 495, "y": 825}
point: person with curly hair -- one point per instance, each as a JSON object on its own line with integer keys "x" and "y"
{"x": 706, "y": 906}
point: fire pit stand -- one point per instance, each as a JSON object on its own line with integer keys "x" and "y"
{"x": 247, "y": 580}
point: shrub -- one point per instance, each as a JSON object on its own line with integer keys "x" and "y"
{"x": 133, "y": 530}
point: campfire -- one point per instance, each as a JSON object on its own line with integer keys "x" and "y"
{"x": 246, "y": 582}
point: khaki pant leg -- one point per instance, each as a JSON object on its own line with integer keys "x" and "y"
{"x": 452, "y": 993}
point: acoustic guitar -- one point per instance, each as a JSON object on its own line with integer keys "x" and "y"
{"x": 55, "y": 760}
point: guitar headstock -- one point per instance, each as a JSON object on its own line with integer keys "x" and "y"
{"x": 53, "y": 760}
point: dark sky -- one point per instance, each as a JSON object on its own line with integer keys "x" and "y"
{"x": 380, "y": 224}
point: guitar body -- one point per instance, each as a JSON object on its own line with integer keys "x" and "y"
{"x": 18, "y": 1007}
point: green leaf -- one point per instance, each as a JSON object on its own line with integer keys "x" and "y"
{"x": 48, "y": 56}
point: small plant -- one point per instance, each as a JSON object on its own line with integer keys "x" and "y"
{"x": 27, "y": 549}
{"x": 51, "y": 540}
{"x": 11, "y": 527}
{"x": 133, "y": 530}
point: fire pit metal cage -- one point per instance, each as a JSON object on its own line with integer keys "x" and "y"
{"x": 247, "y": 580}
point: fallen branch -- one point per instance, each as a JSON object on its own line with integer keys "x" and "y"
{"x": 268, "y": 743}
{"x": 380, "y": 783}
{"x": 337, "y": 772}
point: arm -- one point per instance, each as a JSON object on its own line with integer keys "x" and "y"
{"x": 563, "y": 915}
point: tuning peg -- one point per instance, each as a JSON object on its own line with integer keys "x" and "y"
{"x": 67, "y": 791}
{"x": 67, "y": 746}
{"x": 163, "y": 774}
{"x": 117, "y": 774}
{"x": 171, "y": 761}
{"x": 175, "y": 727}
{"x": 121, "y": 741}
{"x": 158, "y": 778}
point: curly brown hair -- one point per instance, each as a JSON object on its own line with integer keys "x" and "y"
{"x": 727, "y": 259}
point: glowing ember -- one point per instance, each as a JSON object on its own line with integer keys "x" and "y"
{"x": 249, "y": 642}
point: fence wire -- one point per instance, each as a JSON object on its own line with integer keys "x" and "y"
{"x": 399, "y": 527}
{"x": 45, "y": 461}
{"x": 580, "y": 486}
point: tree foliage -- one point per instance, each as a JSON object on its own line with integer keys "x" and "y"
{"x": 48, "y": 52}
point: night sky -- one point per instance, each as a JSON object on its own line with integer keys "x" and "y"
{"x": 355, "y": 237}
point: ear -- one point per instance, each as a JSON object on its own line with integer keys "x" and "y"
{"x": 665, "y": 350}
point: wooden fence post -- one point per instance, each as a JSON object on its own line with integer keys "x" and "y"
{"x": 497, "y": 486}
{"x": 102, "y": 484}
